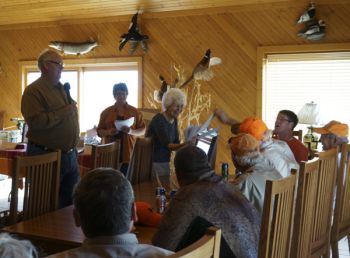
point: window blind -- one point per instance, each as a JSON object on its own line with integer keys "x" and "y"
{"x": 291, "y": 80}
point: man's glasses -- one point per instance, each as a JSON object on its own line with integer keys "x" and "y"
{"x": 59, "y": 64}
{"x": 283, "y": 119}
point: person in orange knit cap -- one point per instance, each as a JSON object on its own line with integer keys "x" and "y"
{"x": 275, "y": 151}
{"x": 333, "y": 134}
{"x": 254, "y": 167}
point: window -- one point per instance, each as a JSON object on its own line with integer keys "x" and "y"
{"x": 289, "y": 80}
{"x": 92, "y": 84}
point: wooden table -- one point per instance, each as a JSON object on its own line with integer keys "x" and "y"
{"x": 56, "y": 231}
{"x": 7, "y": 153}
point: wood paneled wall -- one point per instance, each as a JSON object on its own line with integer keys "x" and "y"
{"x": 233, "y": 34}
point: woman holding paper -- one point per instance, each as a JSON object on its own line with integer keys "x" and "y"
{"x": 121, "y": 121}
{"x": 164, "y": 130}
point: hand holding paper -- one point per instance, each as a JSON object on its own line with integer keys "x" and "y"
{"x": 121, "y": 124}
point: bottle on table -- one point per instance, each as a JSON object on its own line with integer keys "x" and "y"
{"x": 160, "y": 199}
{"x": 224, "y": 171}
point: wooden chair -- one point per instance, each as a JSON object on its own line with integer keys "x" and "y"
{"x": 206, "y": 247}
{"x": 341, "y": 218}
{"x": 41, "y": 189}
{"x": 322, "y": 217}
{"x": 105, "y": 155}
{"x": 140, "y": 165}
{"x": 298, "y": 134}
{"x": 304, "y": 208}
{"x": 277, "y": 219}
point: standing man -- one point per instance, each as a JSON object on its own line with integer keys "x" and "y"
{"x": 52, "y": 119}
{"x": 285, "y": 123}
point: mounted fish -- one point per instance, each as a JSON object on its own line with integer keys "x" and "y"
{"x": 134, "y": 36}
{"x": 202, "y": 70}
{"x": 74, "y": 48}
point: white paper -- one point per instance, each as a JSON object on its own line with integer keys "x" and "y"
{"x": 192, "y": 131}
{"x": 120, "y": 123}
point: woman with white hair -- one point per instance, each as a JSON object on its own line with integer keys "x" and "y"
{"x": 164, "y": 130}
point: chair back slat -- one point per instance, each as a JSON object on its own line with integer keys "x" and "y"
{"x": 207, "y": 246}
{"x": 323, "y": 210}
{"x": 141, "y": 162}
{"x": 106, "y": 155}
{"x": 304, "y": 208}
{"x": 341, "y": 219}
{"x": 276, "y": 224}
{"x": 41, "y": 174}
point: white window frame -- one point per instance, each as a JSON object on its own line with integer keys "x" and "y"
{"x": 118, "y": 63}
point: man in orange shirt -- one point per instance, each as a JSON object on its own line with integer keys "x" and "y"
{"x": 285, "y": 123}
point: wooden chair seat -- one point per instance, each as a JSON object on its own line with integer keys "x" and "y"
{"x": 206, "y": 247}
{"x": 341, "y": 218}
{"x": 105, "y": 155}
{"x": 276, "y": 223}
{"x": 141, "y": 162}
{"x": 41, "y": 174}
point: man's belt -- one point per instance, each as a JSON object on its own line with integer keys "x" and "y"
{"x": 44, "y": 148}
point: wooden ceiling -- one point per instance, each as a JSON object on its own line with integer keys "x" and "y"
{"x": 64, "y": 11}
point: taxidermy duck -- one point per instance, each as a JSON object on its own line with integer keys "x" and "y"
{"x": 201, "y": 71}
{"x": 134, "y": 36}
{"x": 74, "y": 48}
{"x": 313, "y": 28}
{"x": 158, "y": 94}
{"x": 308, "y": 15}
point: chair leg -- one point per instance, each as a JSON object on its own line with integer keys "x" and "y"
{"x": 335, "y": 250}
{"x": 348, "y": 236}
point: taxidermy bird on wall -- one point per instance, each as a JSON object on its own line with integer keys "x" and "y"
{"x": 164, "y": 86}
{"x": 314, "y": 31}
{"x": 74, "y": 48}
{"x": 202, "y": 70}
{"x": 158, "y": 94}
{"x": 308, "y": 15}
{"x": 134, "y": 36}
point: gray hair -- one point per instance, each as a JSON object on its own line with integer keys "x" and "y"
{"x": 248, "y": 160}
{"x": 103, "y": 199}
{"x": 13, "y": 248}
{"x": 45, "y": 56}
{"x": 171, "y": 96}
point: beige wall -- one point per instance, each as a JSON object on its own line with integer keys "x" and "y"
{"x": 233, "y": 35}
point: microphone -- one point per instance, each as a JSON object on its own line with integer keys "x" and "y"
{"x": 66, "y": 88}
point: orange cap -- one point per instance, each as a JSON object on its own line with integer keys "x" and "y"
{"x": 334, "y": 127}
{"x": 243, "y": 143}
{"x": 146, "y": 216}
{"x": 253, "y": 126}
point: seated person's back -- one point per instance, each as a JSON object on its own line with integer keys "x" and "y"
{"x": 104, "y": 207}
{"x": 204, "y": 194}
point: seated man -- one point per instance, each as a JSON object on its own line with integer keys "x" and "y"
{"x": 206, "y": 195}
{"x": 285, "y": 123}
{"x": 104, "y": 207}
{"x": 254, "y": 167}
{"x": 277, "y": 152}
{"x": 333, "y": 134}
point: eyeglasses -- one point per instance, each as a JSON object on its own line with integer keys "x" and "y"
{"x": 283, "y": 119}
{"x": 59, "y": 64}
